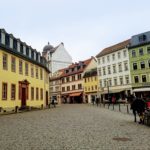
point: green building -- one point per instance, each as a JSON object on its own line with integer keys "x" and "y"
{"x": 139, "y": 56}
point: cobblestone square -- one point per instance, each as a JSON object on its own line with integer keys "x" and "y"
{"x": 72, "y": 127}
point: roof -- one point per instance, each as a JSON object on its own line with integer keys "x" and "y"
{"x": 114, "y": 48}
{"x": 81, "y": 64}
{"x": 90, "y": 73}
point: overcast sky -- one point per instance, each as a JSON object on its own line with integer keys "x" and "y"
{"x": 84, "y": 26}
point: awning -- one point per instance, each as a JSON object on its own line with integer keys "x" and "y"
{"x": 113, "y": 91}
{"x": 75, "y": 94}
{"x": 141, "y": 90}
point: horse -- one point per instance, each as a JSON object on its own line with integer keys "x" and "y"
{"x": 138, "y": 106}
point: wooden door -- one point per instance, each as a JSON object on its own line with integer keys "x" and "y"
{"x": 23, "y": 99}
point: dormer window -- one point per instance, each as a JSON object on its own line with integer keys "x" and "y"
{"x": 36, "y": 56}
{"x": 72, "y": 69}
{"x": 14, "y": 44}
{"x": 7, "y": 40}
{"x": 27, "y": 51}
{"x": 67, "y": 71}
{"x": 142, "y": 38}
{"x": 32, "y": 54}
{"x": 78, "y": 67}
{"x": 21, "y": 48}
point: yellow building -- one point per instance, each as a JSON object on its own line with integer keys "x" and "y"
{"x": 24, "y": 77}
{"x": 90, "y": 85}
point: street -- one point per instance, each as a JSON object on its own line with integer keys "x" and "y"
{"x": 72, "y": 127}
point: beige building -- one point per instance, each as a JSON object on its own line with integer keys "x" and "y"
{"x": 72, "y": 82}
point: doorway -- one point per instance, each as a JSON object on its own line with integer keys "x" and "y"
{"x": 23, "y": 99}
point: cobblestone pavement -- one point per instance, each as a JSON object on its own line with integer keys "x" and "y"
{"x": 73, "y": 127}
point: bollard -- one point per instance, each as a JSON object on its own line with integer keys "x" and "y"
{"x": 127, "y": 109}
{"x": 119, "y": 107}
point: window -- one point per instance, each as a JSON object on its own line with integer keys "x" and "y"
{"x": 32, "y": 54}
{"x": 133, "y": 53}
{"x": 32, "y": 71}
{"x": 37, "y": 73}
{"x": 36, "y": 56}
{"x": 99, "y": 61}
{"x": 109, "y": 71}
{"x": 20, "y": 67}
{"x": 148, "y": 50}
{"x": 13, "y": 91}
{"x": 134, "y": 66}
{"x": 118, "y": 55}
{"x": 85, "y": 88}
{"x": 109, "y": 82}
{"x": 95, "y": 87}
{"x": 124, "y": 53}
{"x": 95, "y": 78}
{"x": 79, "y": 86}
{"x": 141, "y": 51}
{"x": 85, "y": 80}
{"x": 63, "y": 80}
{"x": 100, "y": 83}
{"x": 113, "y": 56}
{"x": 67, "y": 79}
{"x": 121, "y": 80}
{"x": 104, "y": 72}
{"x": 105, "y": 83}
{"x": 143, "y": 78}
{"x": 73, "y": 87}
{"x": 126, "y": 66}
{"x": 142, "y": 38}
{"x": 7, "y": 40}
{"x": 13, "y": 64}
{"x": 103, "y": 59}
{"x": 41, "y": 74}
{"x": 68, "y": 88}
{"x": 32, "y": 93}
{"x": 4, "y": 91}
{"x": 14, "y": 44}
{"x": 72, "y": 69}
{"x": 37, "y": 93}
{"x": 41, "y": 91}
{"x": 92, "y": 88}
{"x": 79, "y": 76}
{"x": 27, "y": 51}
{"x": 142, "y": 65}
{"x": 120, "y": 67}
{"x": 73, "y": 78}
{"x": 108, "y": 59}
{"x": 5, "y": 62}
{"x": 127, "y": 79}
{"x": 21, "y": 48}
{"x": 99, "y": 71}
{"x": 136, "y": 79}
{"x": 26, "y": 69}
{"x": 63, "y": 89}
{"x": 114, "y": 68}
{"x": 149, "y": 63}
{"x": 115, "y": 81}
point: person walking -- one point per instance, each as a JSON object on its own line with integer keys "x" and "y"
{"x": 97, "y": 101}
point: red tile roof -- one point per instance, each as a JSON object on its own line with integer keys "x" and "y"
{"x": 84, "y": 63}
{"x": 114, "y": 48}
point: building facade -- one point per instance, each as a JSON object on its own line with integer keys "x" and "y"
{"x": 139, "y": 54}
{"x": 57, "y": 57}
{"x": 72, "y": 82}
{"x": 114, "y": 71}
{"x": 55, "y": 86}
{"x": 24, "y": 76}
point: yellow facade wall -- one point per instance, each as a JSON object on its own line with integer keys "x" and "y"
{"x": 10, "y": 77}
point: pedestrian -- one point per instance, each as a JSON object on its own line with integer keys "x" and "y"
{"x": 113, "y": 99}
{"x": 53, "y": 102}
{"x": 97, "y": 101}
{"x": 93, "y": 100}
{"x": 138, "y": 106}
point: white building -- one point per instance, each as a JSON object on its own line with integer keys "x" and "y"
{"x": 114, "y": 72}
{"x": 57, "y": 57}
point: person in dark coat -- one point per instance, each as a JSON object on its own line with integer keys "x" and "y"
{"x": 53, "y": 102}
{"x": 138, "y": 106}
{"x": 97, "y": 101}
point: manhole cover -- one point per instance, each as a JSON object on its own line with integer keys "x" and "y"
{"x": 122, "y": 139}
